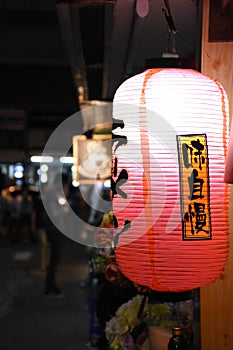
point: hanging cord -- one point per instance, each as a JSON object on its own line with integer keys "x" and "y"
{"x": 168, "y": 17}
{"x": 141, "y": 309}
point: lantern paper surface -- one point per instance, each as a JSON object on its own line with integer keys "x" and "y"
{"x": 174, "y": 123}
{"x": 228, "y": 177}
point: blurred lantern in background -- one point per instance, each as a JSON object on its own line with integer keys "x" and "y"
{"x": 168, "y": 176}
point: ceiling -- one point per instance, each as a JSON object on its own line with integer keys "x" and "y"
{"x": 109, "y": 41}
{"x": 57, "y": 56}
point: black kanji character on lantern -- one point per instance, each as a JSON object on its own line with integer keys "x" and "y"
{"x": 115, "y": 221}
{"x": 119, "y": 139}
{"x": 115, "y": 166}
{"x": 195, "y": 185}
{"x": 127, "y": 225}
{"x": 117, "y": 123}
{"x": 197, "y": 218}
{"x": 187, "y": 152}
{"x": 188, "y": 216}
{"x": 190, "y": 155}
{"x": 122, "y": 177}
{"x": 200, "y": 217}
{"x": 198, "y": 155}
{"x": 115, "y": 185}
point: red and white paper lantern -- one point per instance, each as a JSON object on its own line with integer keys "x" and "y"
{"x": 175, "y": 122}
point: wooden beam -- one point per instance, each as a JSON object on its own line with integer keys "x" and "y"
{"x": 216, "y": 301}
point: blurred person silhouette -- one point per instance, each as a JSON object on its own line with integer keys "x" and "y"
{"x": 38, "y": 230}
{"x": 15, "y": 218}
{"x": 3, "y": 205}
{"x": 52, "y": 198}
{"x": 26, "y": 215}
{"x": 4, "y": 214}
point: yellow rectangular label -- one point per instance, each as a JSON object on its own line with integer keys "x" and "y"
{"x": 194, "y": 186}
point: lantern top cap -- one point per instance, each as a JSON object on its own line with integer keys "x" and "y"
{"x": 188, "y": 63}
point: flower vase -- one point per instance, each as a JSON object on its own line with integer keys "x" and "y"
{"x": 159, "y": 338}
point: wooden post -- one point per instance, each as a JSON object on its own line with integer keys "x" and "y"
{"x": 216, "y": 300}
